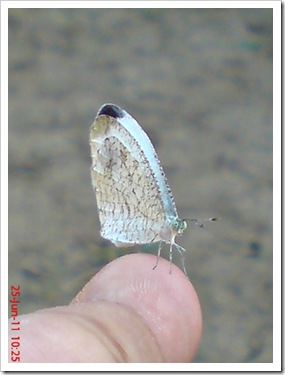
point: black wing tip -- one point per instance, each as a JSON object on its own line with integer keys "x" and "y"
{"x": 111, "y": 110}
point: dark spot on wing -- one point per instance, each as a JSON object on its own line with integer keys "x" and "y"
{"x": 111, "y": 110}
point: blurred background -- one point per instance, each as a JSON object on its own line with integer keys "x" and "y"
{"x": 199, "y": 81}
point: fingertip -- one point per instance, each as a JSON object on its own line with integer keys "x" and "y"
{"x": 166, "y": 303}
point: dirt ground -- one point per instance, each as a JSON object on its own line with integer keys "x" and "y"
{"x": 199, "y": 81}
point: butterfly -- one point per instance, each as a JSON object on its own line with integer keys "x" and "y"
{"x": 134, "y": 200}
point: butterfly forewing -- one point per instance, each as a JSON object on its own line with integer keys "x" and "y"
{"x": 129, "y": 201}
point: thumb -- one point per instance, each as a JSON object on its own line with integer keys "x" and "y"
{"x": 126, "y": 313}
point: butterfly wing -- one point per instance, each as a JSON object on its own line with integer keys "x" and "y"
{"x": 124, "y": 176}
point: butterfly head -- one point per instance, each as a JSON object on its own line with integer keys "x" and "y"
{"x": 179, "y": 226}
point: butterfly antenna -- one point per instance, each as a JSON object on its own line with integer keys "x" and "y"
{"x": 199, "y": 222}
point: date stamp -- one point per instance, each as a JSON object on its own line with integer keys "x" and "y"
{"x": 15, "y": 343}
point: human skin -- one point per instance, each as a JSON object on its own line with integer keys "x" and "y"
{"x": 127, "y": 312}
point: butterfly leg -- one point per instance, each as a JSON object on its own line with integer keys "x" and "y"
{"x": 170, "y": 258}
{"x": 182, "y": 257}
{"x": 158, "y": 255}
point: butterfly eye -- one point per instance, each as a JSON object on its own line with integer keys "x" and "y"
{"x": 182, "y": 227}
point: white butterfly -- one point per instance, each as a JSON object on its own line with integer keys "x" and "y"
{"x": 134, "y": 200}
